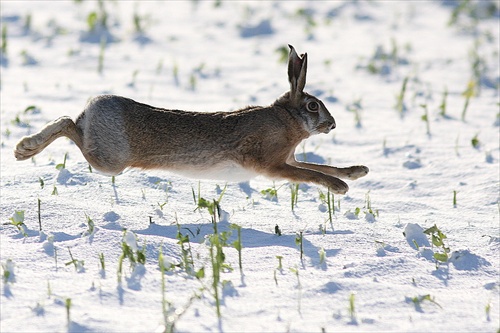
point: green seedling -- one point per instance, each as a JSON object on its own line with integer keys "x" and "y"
{"x": 237, "y": 244}
{"x": 457, "y": 140}
{"x": 97, "y": 19}
{"x": 42, "y": 183}
{"x": 295, "y": 271}
{"x": 280, "y": 264}
{"x": 368, "y": 203}
{"x": 356, "y": 107}
{"x": 8, "y": 271}
{"x": 54, "y": 190}
{"x": 357, "y": 210}
{"x": 39, "y": 214}
{"x": 487, "y": 310}
{"x": 437, "y": 238}
{"x": 457, "y": 11}
{"x": 279, "y": 268}
{"x": 442, "y": 106}
{"x": 101, "y": 262}
{"x": 299, "y": 241}
{"x": 382, "y": 61}
{"x": 161, "y": 205}
{"x": 131, "y": 251}
{"x": 164, "y": 186}
{"x": 477, "y": 65}
{"x": 307, "y": 15}
{"x": 352, "y": 307}
{"x": 329, "y": 201}
{"x": 27, "y": 58}
{"x": 417, "y": 300}
{"x": 77, "y": 263}
{"x": 187, "y": 256}
{"x": 55, "y": 257}
{"x": 17, "y": 121}
{"x": 322, "y": 256}
{"x": 27, "y": 23}
{"x": 400, "y": 104}
{"x": 368, "y": 206}
{"x": 200, "y": 274}
{"x": 4, "y": 40}
{"x": 164, "y": 303}
{"x": 294, "y": 190}
{"x": 62, "y": 165}
{"x": 134, "y": 77}
{"x": 454, "y": 198}
{"x": 32, "y": 109}
{"x": 475, "y": 141}
{"x": 159, "y": 67}
{"x": 17, "y": 220}
{"x": 67, "y": 304}
{"x": 282, "y": 52}
{"x": 102, "y": 49}
{"x": 138, "y": 27}
{"x": 271, "y": 193}
{"x": 49, "y": 289}
{"x": 216, "y": 259}
{"x": 425, "y": 118}
{"x": 175, "y": 73}
{"x": 468, "y": 94}
{"x": 322, "y": 229}
{"x": 212, "y": 206}
{"x": 91, "y": 226}
{"x": 192, "y": 81}
{"x": 92, "y": 21}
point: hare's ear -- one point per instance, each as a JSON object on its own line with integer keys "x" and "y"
{"x": 297, "y": 70}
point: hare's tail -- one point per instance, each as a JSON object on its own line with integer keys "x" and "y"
{"x": 31, "y": 145}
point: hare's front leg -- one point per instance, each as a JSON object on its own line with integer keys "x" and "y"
{"x": 298, "y": 174}
{"x": 352, "y": 173}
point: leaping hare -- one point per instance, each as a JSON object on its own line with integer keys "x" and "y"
{"x": 114, "y": 133}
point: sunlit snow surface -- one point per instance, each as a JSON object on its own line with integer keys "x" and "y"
{"x": 208, "y": 56}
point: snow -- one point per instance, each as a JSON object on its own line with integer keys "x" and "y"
{"x": 208, "y": 56}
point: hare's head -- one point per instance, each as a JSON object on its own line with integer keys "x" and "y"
{"x": 316, "y": 117}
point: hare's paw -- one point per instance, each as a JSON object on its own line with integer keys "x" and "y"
{"x": 337, "y": 186}
{"x": 356, "y": 172}
{"x": 27, "y": 147}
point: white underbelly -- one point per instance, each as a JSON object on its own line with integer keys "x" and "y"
{"x": 228, "y": 171}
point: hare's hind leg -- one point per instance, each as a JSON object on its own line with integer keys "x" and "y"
{"x": 298, "y": 174}
{"x": 31, "y": 145}
{"x": 352, "y": 173}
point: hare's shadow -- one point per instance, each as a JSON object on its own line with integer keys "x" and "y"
{"x": 250, "y": 238}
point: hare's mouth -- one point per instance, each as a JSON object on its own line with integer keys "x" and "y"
{"x": 325, "y": 127}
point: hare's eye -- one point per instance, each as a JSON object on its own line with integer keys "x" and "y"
{"x": 312, "y": 106}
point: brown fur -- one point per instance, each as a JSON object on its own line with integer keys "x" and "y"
{"x": 115, "y": 132}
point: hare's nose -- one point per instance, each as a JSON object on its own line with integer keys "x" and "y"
{"x": 333, "y": 125}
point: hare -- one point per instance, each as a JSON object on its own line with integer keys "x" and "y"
{"x": 115, "y": 132}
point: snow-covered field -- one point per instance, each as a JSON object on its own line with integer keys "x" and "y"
{"x": 370, "y": 269}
